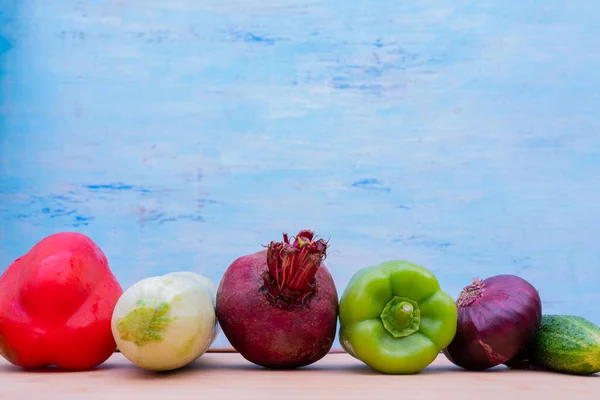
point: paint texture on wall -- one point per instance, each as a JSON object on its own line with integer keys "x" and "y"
{"x": 179, "y": 135}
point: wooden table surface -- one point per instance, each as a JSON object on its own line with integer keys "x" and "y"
{"x": 337, "y": 376}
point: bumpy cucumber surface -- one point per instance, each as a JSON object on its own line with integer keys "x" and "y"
{"x": 568, "y": 344}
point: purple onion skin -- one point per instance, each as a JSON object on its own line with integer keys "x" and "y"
{"x": 497, "y": 319}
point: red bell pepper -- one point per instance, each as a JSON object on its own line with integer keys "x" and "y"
{"x": 56, "y": 304}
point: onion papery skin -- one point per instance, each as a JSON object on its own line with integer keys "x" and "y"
{"x": 497, "y": 319}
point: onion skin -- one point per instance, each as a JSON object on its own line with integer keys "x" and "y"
{"x": 497, "y": 319}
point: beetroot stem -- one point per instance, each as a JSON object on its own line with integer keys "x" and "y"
{"x": 293, "y": 265}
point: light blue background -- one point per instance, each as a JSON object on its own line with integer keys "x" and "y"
{"x": 179, "y": 135}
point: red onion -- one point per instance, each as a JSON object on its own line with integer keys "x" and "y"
{"x": 497, "y": 319}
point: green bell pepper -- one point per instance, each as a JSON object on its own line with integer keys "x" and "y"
{"x": 395, "y": 318}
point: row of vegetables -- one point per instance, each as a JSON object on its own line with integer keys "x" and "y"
{"x": 61, "y": 305}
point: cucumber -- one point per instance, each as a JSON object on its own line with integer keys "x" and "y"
{"x": 567, "y": 344}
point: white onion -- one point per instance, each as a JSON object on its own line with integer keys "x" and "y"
{"x": 166, "y": 322}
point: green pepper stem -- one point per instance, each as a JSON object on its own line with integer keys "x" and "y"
{"x": 402, "y": 313}
{"x": 401, "y": 317}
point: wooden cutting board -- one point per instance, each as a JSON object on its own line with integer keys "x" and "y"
{"x": 337, "y": 376}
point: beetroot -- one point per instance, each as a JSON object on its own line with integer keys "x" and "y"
{"x": 278, "y": 307}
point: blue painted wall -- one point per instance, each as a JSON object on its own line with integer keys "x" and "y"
{"x": 460, "y": 135}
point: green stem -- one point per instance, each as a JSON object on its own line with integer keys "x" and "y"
{"x": 401, "y": 317}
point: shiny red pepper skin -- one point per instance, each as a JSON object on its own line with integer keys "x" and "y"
{"x": 56, "y": 303}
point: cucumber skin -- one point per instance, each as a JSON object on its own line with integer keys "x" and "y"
{"x": 567, "y": 344}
